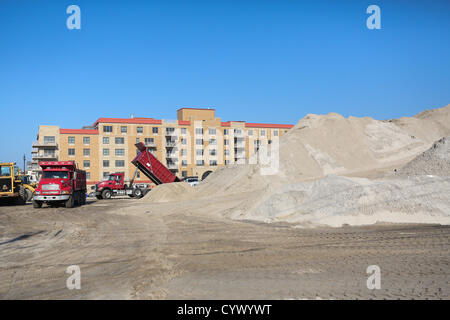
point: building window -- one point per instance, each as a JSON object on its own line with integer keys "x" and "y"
{"x": 138, "y": 174}
{"x": 227, "y": 152}
{"x": 263, "y": 133}
{"x": 139, "y": 129}
{"x": 199, "y": 142}
{"x": 88, "y": 176}
{"x": 71, "y": 140}
{"x": 120, "y": 152}
{"x": 86, "y": 140}
{"x": 227, "y": 162}
{"x": 106, "y": 152}
{"x": 138, "y": 140}
{"x": 184, "y": 174}
{"x": 275, "y": 133}
{"x": 225, "y": 131}
{"x": 212, "y": 131}
{"x": 183, "y": 130}
{"x": 184, "y": 163}
{"x": 200, "y": 163}
{"x": 225, "y": 142}
{"x": 105, "y": 140}
{"x": 120, "y": 163}
{"x": 199, "y": 152}
{"x": 71, "y": 152}
{"x": 49, "y": 139}
{"x": 119, "y": 140}
{"x": 106, "y": 163}
{"x": 212, "y": 141}
{"x": 86, "y": 152}
{"x": 155, "y": 130}
{"x": 183, "y": 141}
{"x": 250, "y": 132}
{"x": 86, "y": 163}
{"x": 212, "y": 152}
{"x": 199, "y": 131}
{"x": 183, "y": 152}
{"x": 213, "y": 163}
{"x": 107, "y": 128}
{"x": 123, "y": 129}
{"x": 105, "y": 175}
{"x": 149, "y": 141}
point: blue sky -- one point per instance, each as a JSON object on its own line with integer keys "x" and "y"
{"x": 254, "y": 60}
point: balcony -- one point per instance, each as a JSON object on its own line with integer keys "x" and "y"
{"x": 172, "y": 166}
{"x": 171, "y": 144}
{"x": 172, "y": 155}
{"x": 171, "y": 133}
{"x": 45, "y": 157}
{"x": 38, "y": 144}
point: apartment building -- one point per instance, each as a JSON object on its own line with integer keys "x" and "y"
{"x": 194, "y": 144}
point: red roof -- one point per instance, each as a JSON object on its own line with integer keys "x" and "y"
{"x": 78, "y": 131}
{"x": 225, "y": 124}
{"x": 197, "y": 109}
{"x": 268, "y": 125}
{"x": 128, "y": 120}
{"x": 184, "y": 123}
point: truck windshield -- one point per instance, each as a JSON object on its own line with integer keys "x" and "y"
{"x": 111, "y": 178}
{"x": 5, "y": 171}
{"x": 55, "y": 175}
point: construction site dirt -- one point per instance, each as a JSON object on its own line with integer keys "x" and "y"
{"x": 128, "y": 249}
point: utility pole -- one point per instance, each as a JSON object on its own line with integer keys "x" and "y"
{"x": 24, "y": 159}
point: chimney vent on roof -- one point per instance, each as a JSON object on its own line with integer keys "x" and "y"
{"x": 132, "y": 116}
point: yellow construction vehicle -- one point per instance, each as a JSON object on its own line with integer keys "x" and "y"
{"x": 11, "y": 184}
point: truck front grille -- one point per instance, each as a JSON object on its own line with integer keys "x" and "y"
{"x": 49, "y": 187}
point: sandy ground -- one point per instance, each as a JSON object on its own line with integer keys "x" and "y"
{"x": 130, "y": 249}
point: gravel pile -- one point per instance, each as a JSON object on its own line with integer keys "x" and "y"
{"x": 434, "y": 161}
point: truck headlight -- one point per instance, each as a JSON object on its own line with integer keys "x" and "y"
{"x": 64, "y": 192}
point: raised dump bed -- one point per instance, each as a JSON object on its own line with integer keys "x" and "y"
{"x": 152, "y": 167}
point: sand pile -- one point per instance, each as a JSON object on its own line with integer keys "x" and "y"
{"x": 434, "y": 161}
{"x": 336, "y": 200}
{"x": 169, "y": 192}
{"x": 319, "y": 145}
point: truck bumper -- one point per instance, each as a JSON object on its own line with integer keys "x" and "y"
{"x": 52, "y": 198}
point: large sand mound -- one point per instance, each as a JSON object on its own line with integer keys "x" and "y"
{"x": 319, "y": 145}
{"x": 434, "y": 161}
{"x": 336, "y": 200}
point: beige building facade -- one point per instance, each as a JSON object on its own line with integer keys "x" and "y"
{"x": 193, "y": 145}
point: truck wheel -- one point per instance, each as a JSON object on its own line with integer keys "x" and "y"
{"x": 69, "y": 202}
{"x": 37, "y": 204}
{"x": 137, "y": 193}
{"x": 83, "y": 198}
{"x": 106, "y": 194}
{"x": 29, "y": 194}
{"x": 22, "y": 198}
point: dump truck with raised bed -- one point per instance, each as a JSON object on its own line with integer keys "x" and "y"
{"x": 11, "y": 184}
{"x": 61, "y": 182}
{"x": 148, "y": 164}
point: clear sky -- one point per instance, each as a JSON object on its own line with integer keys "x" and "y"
{"x": 254, "y": 60}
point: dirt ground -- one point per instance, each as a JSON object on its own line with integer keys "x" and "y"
{"x": 129, "y": 249}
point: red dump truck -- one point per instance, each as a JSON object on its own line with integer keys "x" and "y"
{"x": 61, "y": 182}
{"x": 148, "y": 164}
